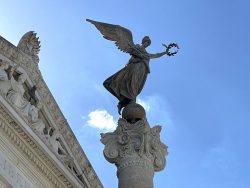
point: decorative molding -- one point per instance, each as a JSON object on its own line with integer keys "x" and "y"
{"x": 135, "y": 148}
{"x": 135, "y": 161}
{"x": 16, "y": 57}
{"x": 30, "y": 150}
{"x": 11, "y": 174}
{"x": 4, "y": 183}
{"x": 135, "y": 144}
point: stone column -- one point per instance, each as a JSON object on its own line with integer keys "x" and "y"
{"x": 135, "y": 148}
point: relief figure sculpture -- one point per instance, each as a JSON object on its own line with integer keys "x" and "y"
{"x": 16, "y": 94}
{"x": 36, "y": 122}
{"x": 54, "y": 140}
{"x": 4, "y": 78}
{"x": 3, "y": 67}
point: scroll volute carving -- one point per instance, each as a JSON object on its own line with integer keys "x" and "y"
{"x": 135, "y": 140}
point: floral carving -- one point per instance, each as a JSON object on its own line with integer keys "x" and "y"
{"x": 123, "y": 138}
{"x": 135, "y": 142}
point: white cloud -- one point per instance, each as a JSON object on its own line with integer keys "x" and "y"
{"x": 145, "y": 104}
{"x": 102, "y": 120}
{"x": 158, "y": 111}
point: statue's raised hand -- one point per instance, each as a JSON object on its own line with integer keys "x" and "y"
{"x": 168, "y": 48}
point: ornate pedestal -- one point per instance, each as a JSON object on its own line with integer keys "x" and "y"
{"x": 135, "y": 148}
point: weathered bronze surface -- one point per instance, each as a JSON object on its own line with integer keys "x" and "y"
{"x": 127, "y": 83}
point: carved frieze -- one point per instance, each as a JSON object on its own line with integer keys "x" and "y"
{"x": 19, "y": 72}
{"x": 30, "y": 150}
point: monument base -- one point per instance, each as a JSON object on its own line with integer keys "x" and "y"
{"x": 135, "y": 148}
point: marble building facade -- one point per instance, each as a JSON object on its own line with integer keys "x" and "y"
{"x": 33, "y": 131}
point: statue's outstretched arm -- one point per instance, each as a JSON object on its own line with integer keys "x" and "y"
{"x": 157, "y": 55}
{"x": 167, "y": 52}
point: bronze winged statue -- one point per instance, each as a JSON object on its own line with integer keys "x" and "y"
{"x": 127, "y": 83}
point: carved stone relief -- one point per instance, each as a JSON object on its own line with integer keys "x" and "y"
{"x": 14, "y": 92}
{"x": 135, "y": 148}
{"x": 24, "y": 59}
{"x": 136, "y": 139}
{"x": 30, "y": 45}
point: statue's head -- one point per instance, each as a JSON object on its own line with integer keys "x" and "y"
{"x": 146, "y": 41}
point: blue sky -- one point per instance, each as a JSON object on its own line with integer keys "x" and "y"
{"x": 200, "y": 97}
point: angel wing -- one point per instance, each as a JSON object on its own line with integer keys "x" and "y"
{"x": 123, "y": 37}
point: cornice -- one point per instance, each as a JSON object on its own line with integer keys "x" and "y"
{"x": 31, "y": 151}
{"x": 17, "y": 57}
